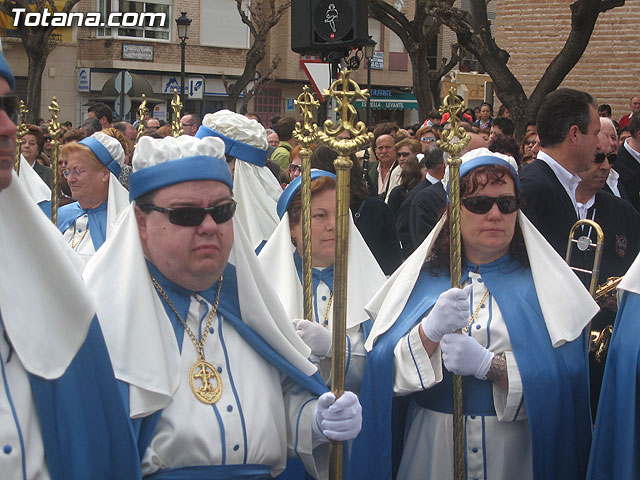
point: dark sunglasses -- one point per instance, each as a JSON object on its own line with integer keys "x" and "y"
{"x": 404, "y": 154}
{"x": 481, "y": 205}
{"x": 11, "y": 106}
{"x": 295, "y": 168}
{"x": 194, "y": 216}
{"x": 600, "y": 156}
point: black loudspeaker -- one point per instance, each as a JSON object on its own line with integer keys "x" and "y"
{"x": 320, "y": 26}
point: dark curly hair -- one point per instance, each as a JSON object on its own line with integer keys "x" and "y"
{"x": 478, "y": 178}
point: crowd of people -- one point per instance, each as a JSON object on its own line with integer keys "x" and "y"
{"x": 159, "y": 330}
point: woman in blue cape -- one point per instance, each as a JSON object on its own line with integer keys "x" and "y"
{"x": 614, "y": 452}
{"x": 282, "y": 254}
{"x": 522, "y": 353}
{"x": 93, "y": 167}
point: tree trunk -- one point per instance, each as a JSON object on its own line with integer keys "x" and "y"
{"x": 421, "y": 83}
{"x": 37, "y": 63}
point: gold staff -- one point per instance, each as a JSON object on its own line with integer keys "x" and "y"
{"x": 453, "y": 142}
{"x": 176, "y": 105}
{"x": 22, "y": 131}
{"x": 346, "y": 92}
{"x": 143, "y": 113}
{"x": 306, "y": 133}
{"x": 54, "y": 130}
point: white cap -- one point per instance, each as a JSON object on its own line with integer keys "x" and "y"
{"x": 154, "y": 151}
{"x": 237, "y": 127}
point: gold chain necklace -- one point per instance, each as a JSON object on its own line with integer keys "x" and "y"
{"x": 74, "y": 245}
{"x": 201, "y": 371}
{"x": 325, "y": 320}
{"x": 475, "y": 313}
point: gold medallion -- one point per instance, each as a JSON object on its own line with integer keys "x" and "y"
{"x": 200, "y": 378}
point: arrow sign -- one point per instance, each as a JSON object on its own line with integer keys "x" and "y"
{"x": 319, "y": 74}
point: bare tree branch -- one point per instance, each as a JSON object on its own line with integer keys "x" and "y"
{"x": 261, "y": 17}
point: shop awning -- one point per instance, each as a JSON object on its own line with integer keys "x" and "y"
{"x": 397, "y": 101}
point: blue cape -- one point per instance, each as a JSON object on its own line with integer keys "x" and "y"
{"x": 616, "y": 440}
{"x": 555, "y": 380}
{"x": 68, "y": 214}
{"x": 85, "y": 426}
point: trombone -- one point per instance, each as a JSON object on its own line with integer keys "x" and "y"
{"x": 599, "y": 340}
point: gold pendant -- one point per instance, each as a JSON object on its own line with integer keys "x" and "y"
{"x": 202, "y": 372}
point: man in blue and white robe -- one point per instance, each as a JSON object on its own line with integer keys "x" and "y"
{"x": 151, "y": 274}
{"x": 61, "y": 416}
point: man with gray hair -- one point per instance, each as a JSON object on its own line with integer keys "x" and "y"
{"x": 190, "y": 123}
{"x": 90, "y": 126}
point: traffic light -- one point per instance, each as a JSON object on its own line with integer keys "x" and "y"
{"x": 319, "y": 26}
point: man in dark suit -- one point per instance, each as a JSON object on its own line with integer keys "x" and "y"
{"x": 628, "y": 162}
{"x": 620, "y": 224}
{"x": 568, "y": 127}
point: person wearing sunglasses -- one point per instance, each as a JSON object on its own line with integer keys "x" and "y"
{"x": 61, "y": 413}
{"x": 217, "y": 382}
{"x": 521, "y": 351}
{"x": 255, "y": 188}
{"x": 93, "y": 166}
{"x": 620, "y": 223}
{"x": 404, "y": 148}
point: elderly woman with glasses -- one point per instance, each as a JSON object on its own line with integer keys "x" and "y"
{"x": 92, "y": 169}
{"x": 521, "y": 350}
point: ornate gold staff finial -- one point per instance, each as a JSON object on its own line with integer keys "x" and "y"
{"x": 306, "y": 133}
{"x": 176, "y": 105}
{"x": 346, "y": 92}
{"x": 21, "y": 132}
{"x": 453, "y": 142}
{"x": 54, "y": 130}
{"x": 143, "y": 113}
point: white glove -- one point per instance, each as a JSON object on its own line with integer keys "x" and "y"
{"x": 317, "y": 337}
{"x": 450, "y": 313}
{"x": 339, "y": 420}
{"x": 463, "y": 355}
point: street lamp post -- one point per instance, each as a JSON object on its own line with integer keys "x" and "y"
{"x": 183, "y": 23}
{"x": 369, "y": 50}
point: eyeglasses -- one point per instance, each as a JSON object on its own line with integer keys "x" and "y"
{"x": 11, "y": 106}
{"x": 403, "y": 154}
{"x": 530, "y": 142}
{"x": 428, "y": 139}
{"x": 188, "y": 124}
{"x": 194, "y": 216}
{"x": 481, "y": 204}
{"x": 75, "y": 172}
{"x": 600, "y": 156}
{"x": 295, "y": 168}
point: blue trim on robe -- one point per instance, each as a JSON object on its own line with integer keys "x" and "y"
{"x": 228, "y": 307}
{"x": 616, "y": 440}
{"x": 85, "y": 426}
{"x": 45, "y": 206}
{"x": 68, "y": 214}
{"x": 563, "y": 382}
{"x": 213, "y": 472}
